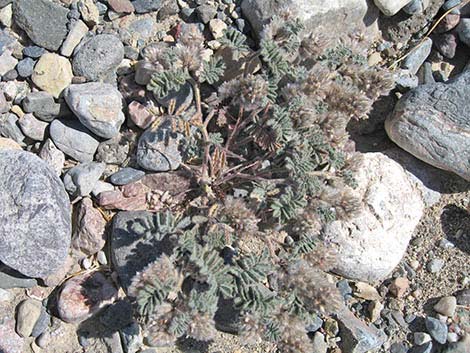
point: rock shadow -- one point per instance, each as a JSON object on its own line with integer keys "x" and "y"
{"x": 455, "y": 223}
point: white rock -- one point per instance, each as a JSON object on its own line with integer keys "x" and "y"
{"x": 372, "y": 244}
{"x": 74, "y": 37}
{"x": 391, "y": 7}
{"x": 7, "y": 62}
{"x": 6, "y": 15}
{"x": 347, "y": 14}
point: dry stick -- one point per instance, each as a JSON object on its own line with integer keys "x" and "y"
{"x": 393, "y": 65}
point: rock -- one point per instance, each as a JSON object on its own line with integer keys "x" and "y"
{"x": 446, "y": 44}
{"x": 42, "y": 104}
{"x": 145, "y": 6}
{"x": 375, "y": 309}
{"x": 159, "y": 148}
{"x": 356, "y": 336}
{"x": 126, "y": 176}
{"x": 28, "y": 313}
{"x": 446, "y": 306}
{"x": 366, "y": 291}
{"x": 463, "y": 297}
{"x": 73, "y": 139}
{"x": 217, "y": 27}
{"x": 34, "y": 215}
{"x": 53, "y": 156}
{"x": 116, "y": 200}
{"x": 132, "y": 245}
{"x": 206, "y": 12}
{"x": 121, "y": 6}
{"x": 417, "y": 57}
{"x": 115, "y": 150}
{"x": 437, "y": 329}
{"x": 33, "y": 51}
{"x": 42, "y": 323}
{"x": 80, "y": 180}
{"x": 13, "y": 279}
{"x": 372, "y": 244}
{"x": 43, "y": 340}
{"x": 421, "y": 338}
{"x": 431, "y": 123}
{"x": 416, "y": 6}
{"x": 314, "y": 13}
{"x": 463, "y": 30}
{"x": 99, "y": 57}
{"x": 319, "y": 344}
{"x": 33, "y": 128}
{"x": 8, "y": 144}
{"x": 52, "y": 73}
{"x": 448, "y": 23}
{"x": 131, "y": 337}
{"x": 183, "y": 98}
{"x": 89, "y": 12}
{"x": 98, "y": 106}
{"x": 5, "y": 296}
{"x": 4, "y": 106}
{"x": 7, "y": 63}
{"x": 391, "y": 7}
{"x": 84, "y": 295}
{"x": 101, "y": 257}
{"x": 399, "y": 286}
{"x": 6, "y": 15}
{"x": 10, "y": 342}
{"x": 25, "y": 67}
{"x": 44, "y": 22}
{"x": 58, "y": 277}
{"x": 100, "y": 187}
{"x": 435, "y": 265}
{"x": 77, "y": 32}
{"x": 143, "y": 72}
{"x": 89, "y": 235}
{"x": 459, "y": 347}
{"x": 398, "y": 348}
{"x": 140, "y": 115}
{"x": 9, "y": 128}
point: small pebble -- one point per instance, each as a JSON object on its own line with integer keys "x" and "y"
{"x": 420, "y": 338}
{"x": 435, "y": 265}
{"x": 101, "y": 257}
{"x": 43, "y": 340}
{"x": 437, "y": 329}
{"x": 446, "y": 306}
{"x": 86, "y": 263}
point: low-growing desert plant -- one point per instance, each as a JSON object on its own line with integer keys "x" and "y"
{"x": 273, "y": 162}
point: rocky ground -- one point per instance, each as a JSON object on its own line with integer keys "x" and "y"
{"x": 82, "y": 172}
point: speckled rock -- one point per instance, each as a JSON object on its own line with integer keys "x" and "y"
{"x": 432, "y": 123}
{"x": 35, "y": 215}
{"x": 371, "y": 244}
{"x": 83, "y": 296}
{"x": 10, "y": 341}
{"x": 53, "y": 156}
{"x": 98, "y": 57}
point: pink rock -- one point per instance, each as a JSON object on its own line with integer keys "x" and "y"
{"x": 121, "y": 6}
{"x": 130, "y": 89}
{"x": 83, "y": 296}
{"x": 89, "y": 235}
{"x": 115, "y": 200}
{"x": 134, "y": 189}
{"x": 140, "y": 115}
{"x": 10, "y": 341}
{"x": 449, "y": 22}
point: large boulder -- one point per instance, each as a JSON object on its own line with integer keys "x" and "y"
{"x": 432, "y": 122}
{"x": 371, "y": 244}
{"x": 347, "y": 14}
{"x": 35, "y": 215}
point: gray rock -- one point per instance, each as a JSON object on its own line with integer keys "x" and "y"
{"x": 421, "y": 338}
{"x": 33, "y": 128}
{"x": 206, "y": 13}
{"x": 4, "y": 105}
{"x": 78, "y": 30}
{"x": 73, "y": 139}
{"x": 314, "y": 13}
{"x": 42, "y": 323}
{"x": 133, "y": 246}
{"x": 28, "y": 313}
{"x": 459, "y": 347}
{"x": 463, "y": 30}
{"x": 437, "y": 329}
{"x": 33, "y": 51}
{"x": 160, "y": 149}
{"x": 432, "y": 122}
{"x": 81, "y": 179}
{"x": 42, "y": 104}
{"x": 446, "y": 306}
{"x": 44, "y": 21}
{"x": 126, "y": 176}
{"x": 145, "y": 6}
{"x": 13, "y": 279}
{"x": 435, "y": 265}
{"x": 100, "y": 187}
{"x": 446, "y": 44}
{"x": 35, "y": 215}
{"x": 98, "y": 106}
{"x": 10, "y": 342}
{"x": 9, "y": 128}
{"x": 143, "y": 72}
{"x": 131, "y": 338}
{"x": 391, "y": 7}
{"x": 417, "y": 57}
{"x": 53, "y": 156}
{"x": 315, "y": 324}
{"x": 183, "y": 98}
{"x": 463, "y": 297}
{"x": 398, "y": 348}
{"x": 356, "y": 336}
{"x": 25, "y": 67}
{"x": 98, "y": 57}
{"x": 415, "y": 6}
